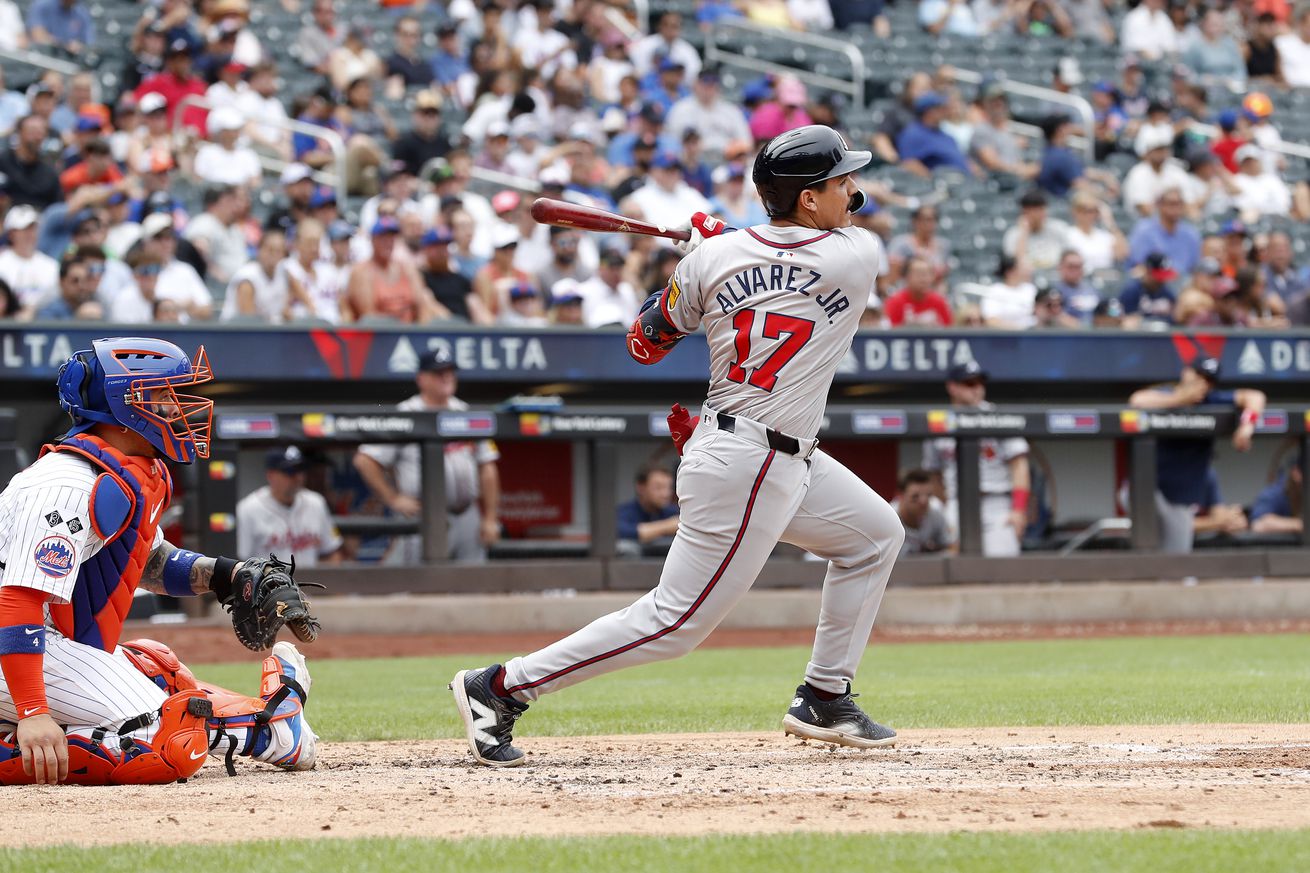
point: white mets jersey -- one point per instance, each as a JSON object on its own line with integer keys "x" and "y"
{"x": 303, "y": 530}
{"x": 780, "y": 306}
{"x": 45, "y": 525}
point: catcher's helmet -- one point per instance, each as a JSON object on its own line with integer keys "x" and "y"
{"x": 131, "y": 381}
{"x": 799, "y": 159}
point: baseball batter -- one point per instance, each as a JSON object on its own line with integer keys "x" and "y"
{"x": 79, "y": 532}
{"x": 779, "y": 304}
{"x": 1003, "y": 474}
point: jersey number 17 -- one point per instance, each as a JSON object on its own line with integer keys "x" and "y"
{"x": 794, "y": 333}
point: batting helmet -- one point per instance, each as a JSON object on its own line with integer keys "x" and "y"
{"x": 802, "y": 158}
{"x": 132, "y": 381}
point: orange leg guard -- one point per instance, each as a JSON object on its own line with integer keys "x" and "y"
{"x": 158, "y": 662}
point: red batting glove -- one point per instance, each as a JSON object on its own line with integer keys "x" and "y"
{"x": 681, "y": 425}
{"x": 708, "y": 225}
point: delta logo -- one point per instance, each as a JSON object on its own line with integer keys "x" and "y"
{"x": 940, "y": 421}
{"x": 54, "y": 557}
{"x": 1131, "y": 421}
{"x": 317, "y": 424}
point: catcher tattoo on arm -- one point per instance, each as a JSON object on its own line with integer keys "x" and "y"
{"x": 261, "y": 595}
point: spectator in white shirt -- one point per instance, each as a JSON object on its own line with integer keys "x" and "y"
{"x": 607, "y": 298}
{"x": 666, "y": 41}
{"x": 135, "y": 304}
{"x": 1294, "y": 51}
{"x": 223, "y": 161}
{"x": 665, "y": 198}
{"x": 229, "y": 88}
{"x": 1148, "y": 31}
{"x": 1259, "y": 192}
{"x": 1010, "y": 302}
{"x": 216, "y": 234}
{"x": 258, "y": 291}
{"x": 30, "y": 274}
{"x": 178, "y": 280}
{"x": 1094, "y": 234}
{"x": 1154, "y": 175}
{"x": 259, "y": 103}
{"x": 310, "y": 277}
{"x": 718, "y": 121}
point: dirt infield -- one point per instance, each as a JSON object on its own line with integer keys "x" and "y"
{"x": 1018, "y": 779}
{"x": 212, "y": 642}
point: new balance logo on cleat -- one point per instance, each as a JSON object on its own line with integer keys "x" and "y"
{"x": 839, "y": 721}
{"x": 485, "y": 719}
{"x": 488, "y": 717}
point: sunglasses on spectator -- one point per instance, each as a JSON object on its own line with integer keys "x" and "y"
{"x": 95, "y": 269}
{"x": 147, "y": 270}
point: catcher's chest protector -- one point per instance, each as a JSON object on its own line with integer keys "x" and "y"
{"x": 126, "y": 502}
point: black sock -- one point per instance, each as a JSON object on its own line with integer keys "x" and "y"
{"x": 821, "y": 694}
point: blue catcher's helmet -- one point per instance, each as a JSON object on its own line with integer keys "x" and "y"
{"x": 132, "y": 381}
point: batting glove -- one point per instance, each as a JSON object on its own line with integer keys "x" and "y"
{"x": 701, "y": 227}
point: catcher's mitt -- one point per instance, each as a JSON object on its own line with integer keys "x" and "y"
{"x": 265, "y": 596}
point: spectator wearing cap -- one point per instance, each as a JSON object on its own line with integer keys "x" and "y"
{"x": 666, "y": 84}
{"x": 285, "y": 518}
{"x": 528, "y": 152}
{"x": 1294, "y": 52}
{"x": 97, "y": 168}
{"x": 30, "y": 273}
{"x": 1036, "y": 238}
{"x": 566, "y": 305}
{"x": 1259, "y": 192}
{"x": 1153, "y": 174}
{"x": 30, "y": 179}
{"x": 1094, "y": 234}
{"x": 949, "y": 18}
{"x": 1277, "y": 508}
{"x": 121, "y": 232}
{"x": 497, "y": 275}
{"x": 1049, "y": 311}
{"x": 918, "y": 304}
{"x": 665, "y": 198}
{"x": 993, "y": 145}
{"x": 258, "y": 291}
{"x": 62, "y": 24}
{"x": 228, "y": 86}
{"x": 666, "y": 42}
{"x": 533, "y": 253}
{"x": 152, "y": 142}
{"x": 731, "y": 201}
{"x": 75, "y": 298}
{"x": 178, "y": 280}
{"x": 648, "y": 125}
{"x": 524, "y": 307}
{"x": 317, "y": 39}
{"x": 423, "y": 141}
{"x": 1148, "y": 32}
{"x": 222, "y": 161}
{"x": 1213, "y": 55}
{"x": 923, "y": 146}
{"x": 1008, "y": 303}
{"x": 1183, "y": 465}
{"x": 1263, "y": 64}
{"x": 175, "y": 83}
{"x": 450, "y": 289}
{"x": 784, "y": 112}
{"x": 1167, "y": 233}
{"x": 314, "y": 284}
{"x": 449, "y": 62}
{"x": 389, "y": 286}
{"x": 607, "y": 297}
{"x": 259, "y": 102}
{"x": 217, "y": 234}
{"x": 898, "y": 116}
{"x": 297, "y": 181}
{"x": 717, "y": 120}
{"x": 1147, "y": 297}
{"x": 393, "y": 472}
{"x": 1004, "y": 476}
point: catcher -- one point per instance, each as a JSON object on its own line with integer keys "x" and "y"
{"x": 79, "y": 533}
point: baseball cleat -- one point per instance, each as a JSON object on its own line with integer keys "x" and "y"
{"x": 839, "y": 721}
{"x": 304, "y": 751}
{"x": 488, "y": 717}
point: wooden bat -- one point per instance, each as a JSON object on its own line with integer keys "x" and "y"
{"x": 563, "y": 214}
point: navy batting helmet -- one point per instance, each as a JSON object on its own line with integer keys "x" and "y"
{"x": 133, "y": 381}
{"x": 802, "y": 158}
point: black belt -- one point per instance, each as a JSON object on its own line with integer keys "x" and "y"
{"x": 779, "y": 441}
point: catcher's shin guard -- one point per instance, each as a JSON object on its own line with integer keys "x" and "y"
{"x": 160, "y": 665}
{"x": 270, "y": 728}
{"x": 176, "y": 750}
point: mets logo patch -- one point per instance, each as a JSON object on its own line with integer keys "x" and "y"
{"x": 674, "y": 292}
{"x": 54, "y": 557}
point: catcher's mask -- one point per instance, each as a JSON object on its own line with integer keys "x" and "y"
{"x": 133, "y": 381}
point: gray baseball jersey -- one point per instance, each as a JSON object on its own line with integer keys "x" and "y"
{"x": 303, "y": 530}
{"x": 994, "y": 458}
{"x": 779, "y": 306}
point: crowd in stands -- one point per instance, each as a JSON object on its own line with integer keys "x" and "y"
{"x": 183, "y": 195}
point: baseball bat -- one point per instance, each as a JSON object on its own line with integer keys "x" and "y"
{"x": 563, "y": 214}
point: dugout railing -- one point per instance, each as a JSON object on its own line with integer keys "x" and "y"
{"x": 603, "y": 430}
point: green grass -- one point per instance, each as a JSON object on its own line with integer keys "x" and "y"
{"x": 1113, "y": 852}
{"x": 1142, "y": 680}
